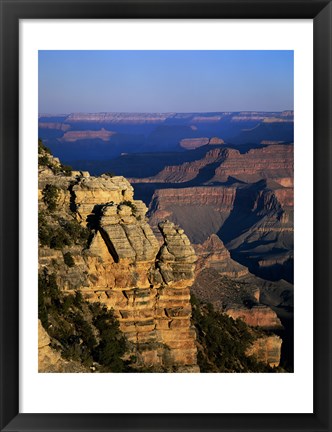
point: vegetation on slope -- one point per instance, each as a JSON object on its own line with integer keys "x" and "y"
{"x": 82, "y": 331}
{"x": 46, "y": 159}
{"x": 222, "y": 341}
{"x": 57, "y": 232}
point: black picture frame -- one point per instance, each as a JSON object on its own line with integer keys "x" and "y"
{"x": 14, "y": 10}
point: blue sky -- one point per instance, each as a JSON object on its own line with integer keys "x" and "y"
{"x": 165, "y": 81}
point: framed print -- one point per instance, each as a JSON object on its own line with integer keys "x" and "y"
{"x": 165, "y": 213}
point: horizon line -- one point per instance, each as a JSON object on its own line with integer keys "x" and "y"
{"x": 165, "y": 112}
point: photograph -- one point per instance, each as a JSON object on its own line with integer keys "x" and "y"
{"x": 165, "y": 216}
{"x": 166, "y": 211}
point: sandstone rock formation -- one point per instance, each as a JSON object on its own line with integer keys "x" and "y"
{"x": 106, "y": 117}
{"x": 256, "y": 316}
{"x": 190, "y": 170}
{"x": 193, "y": 143}
{"x": 54, "y": 125}
{"x": 201, "y": 211}
{"x": 50, "y": 360}
{"x": 72, "y": 136}
{"x": 222, "y": 291}
{"x": 266, "y": 350}
{"x": 125, "y": 268}
{"x": 206, "y": 119}
{"x": 241, "y": 296}
{"x": 273, "y": 161}
{"x": 213, "y": 254}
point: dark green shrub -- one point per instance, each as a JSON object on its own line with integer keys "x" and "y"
{"x": 112, "y": 343}
{"x": 65, "y": 234}
{"x": 50, "y": 196}
{"x": 42, "y": 308}
{"x": 67, "y": 303}
{"x": 48, "y": 296}
{"x": 45, "y": 231}
{"x": 56, "y": 169}
{"x": 77, "y": 233}
{"x": 43, "y": 160}
{"x": 87, "y": 332}
{"x": 42, "y": 148}
{"x": 78, "y": 299}
{"x": 66, "y": 169}
{"x": 59, "y": 239}
{"x": 68, "y": 259}
{"x": 223, "y": 341}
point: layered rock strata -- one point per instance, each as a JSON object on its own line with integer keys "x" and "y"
{"x": 124, "y": 267}
{"x": 50, "y": 360}
{"x": 266, "y": 350}
{"x": 148, "y": 286}
{"x": 213, "y": 254}
{"x": 106, "y": 117}
{"x": 272, "y": 161}
{"x": 193, "y": 143}
{"x": 256, "y": 316}
{"x": 54, "y": 125}
{"x": 190, "y": 170}
{"x": 255, "y": 221}
{"x": 201, "y": 211}
{"x": 72, "y": 136}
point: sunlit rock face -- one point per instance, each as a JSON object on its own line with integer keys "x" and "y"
{"x": 125, "y": 267}
{"x": 266, "y": 349}
{"x": 50, "y": 360}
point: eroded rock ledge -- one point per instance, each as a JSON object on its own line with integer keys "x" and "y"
{"x": 125, "y": 268}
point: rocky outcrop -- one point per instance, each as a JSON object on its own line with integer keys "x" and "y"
{"x": 240, "y": 298}
{"x": 245, "y": 297}
{"x": 222, "y": 291}
{"x": 222, "y": 198}
{"x": 216, "y": 141}
{"x": 266, "y": 163}
{"x": 287, "y": 114}
{"x": 271, "y": 142}
{"x": 72, "y": 136}
{"x": 87, "y": 192}
{"x": 190, "y": 170}
{"x": 201, "y": 211}
{"x": 106, "y": 117}
{"x": 259, "y": 232}
{"x": 255, "y": 221}
{"x": 274, "y": 161}
{"x": 285, "y": 194}
{"x": 50, "y": 360}
{"x": 54, "y": 125}
{"x": 193, "y": 143}
{"x": 176, "y": 257}
{"x": 266, "y": 349}
{"x": 287, "y": 182}
{"x": 213, "y": 254}
{"x": 125, "y": 268}
{"x": 148, "y": 286}
{"x": 278, "y": 120}
{"x": 47, "y": 357}
{"x": 256, "y": 316}
{"x": 206, "y": 119}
